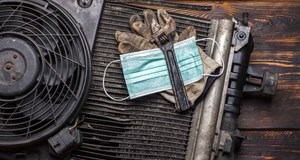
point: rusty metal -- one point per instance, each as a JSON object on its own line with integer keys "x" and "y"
{"x": 215, "y": 96}
{"x": 143, "y": 128}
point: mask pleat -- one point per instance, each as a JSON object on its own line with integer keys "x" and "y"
{"x": 146, "y": 72}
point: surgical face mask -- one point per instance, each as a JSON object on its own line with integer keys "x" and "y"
{"x": 146, "y": 72}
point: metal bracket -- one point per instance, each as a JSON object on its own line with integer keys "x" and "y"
{"x": 264, "y": 82}
{"x": 223, "y": 142}
{"x": 87, "y": 13}
{"x": 226, "y": 142}
{"x": 242, "y": 37}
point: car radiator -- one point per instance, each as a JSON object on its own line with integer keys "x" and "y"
{"x": 145, "y": 128}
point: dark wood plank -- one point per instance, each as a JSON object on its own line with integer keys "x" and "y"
{"x": 277, "y": 43}
{"x": 270, "y": 145}
{"x": 280, "y": 112}
{"x": 283, "y": 110}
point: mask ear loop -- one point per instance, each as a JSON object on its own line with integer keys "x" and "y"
{"x": 103, "y": 83}
{"x": 222, "y": 60}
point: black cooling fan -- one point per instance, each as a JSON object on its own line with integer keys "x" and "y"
{"x": 45, "y": 69}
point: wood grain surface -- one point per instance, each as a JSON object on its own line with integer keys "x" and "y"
{"x": 272, "y": 126}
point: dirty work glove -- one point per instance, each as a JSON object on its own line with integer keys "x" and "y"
{"x": 141, "y": 37}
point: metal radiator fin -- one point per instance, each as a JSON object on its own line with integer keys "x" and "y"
{"x": 145, "y": 128}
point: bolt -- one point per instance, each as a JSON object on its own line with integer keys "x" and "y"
{"x": 84, "y": 3}
{"x": 271, "y": 82}
{"x": 13, "y": 77}
{"x": 241, "y": 35}
{"x": 8, "y": 66}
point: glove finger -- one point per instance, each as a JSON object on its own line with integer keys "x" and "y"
{"x": 135, "y": 40}
{"x": 189, "y": 32}
{"x": 151, "y": 20}
{"x": 124, "y": 42}
{"x": 140, "y": 28}
{"x": 165, "y": 19}
{"x": 126, "y": 47}
{"x": 160, "y": 14}
{"x": 117, "y": 35}
{"x": 129, "y": 37}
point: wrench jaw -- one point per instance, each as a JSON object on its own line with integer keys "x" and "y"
{"x": 167, "y": 33}
{"x": 161, "y": 39}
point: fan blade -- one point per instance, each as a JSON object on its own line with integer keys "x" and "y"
{"x": 50, "y": 32}
{"x": 58, "y": 72}
{"x": 61, "y": 68}
{"x": 10, "y": 18}
{"x": 38, "y": 108}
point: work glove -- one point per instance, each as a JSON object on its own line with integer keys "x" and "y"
{"x": 140, "y": 39}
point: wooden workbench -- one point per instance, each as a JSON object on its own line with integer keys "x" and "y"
{"x": 272, "y": 126}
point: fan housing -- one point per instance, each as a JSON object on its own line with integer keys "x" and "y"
{"x": 45, "y": 70}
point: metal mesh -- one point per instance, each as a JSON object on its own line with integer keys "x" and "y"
{"x": 145, "y": 128}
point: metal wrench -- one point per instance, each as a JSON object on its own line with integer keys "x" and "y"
{"x": 164, "y": 38}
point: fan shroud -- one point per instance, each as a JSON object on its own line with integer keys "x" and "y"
{"x": 45, "y": 70}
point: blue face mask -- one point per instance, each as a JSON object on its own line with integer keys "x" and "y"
{"x": 146, "y": 72}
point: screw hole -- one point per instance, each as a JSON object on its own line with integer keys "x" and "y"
{"x": 13, "y": 77}
{"x": 15, "y": 56}
{"x": 84, "y": 3}
{"x": 8, "y": 66}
